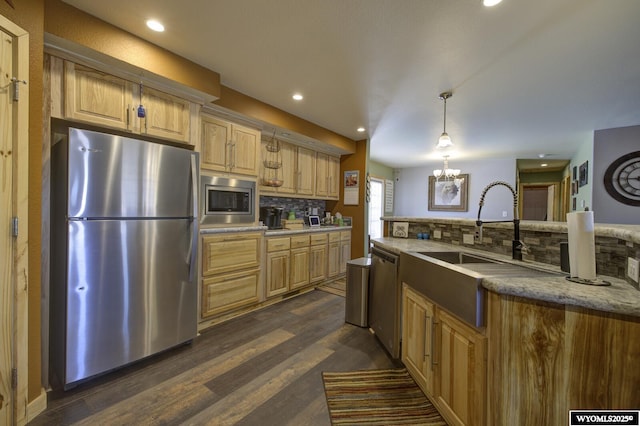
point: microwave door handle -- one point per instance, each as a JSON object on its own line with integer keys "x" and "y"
{"x": 194, "y": 220}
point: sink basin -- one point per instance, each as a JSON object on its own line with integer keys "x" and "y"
{"x": 457, "y": 257}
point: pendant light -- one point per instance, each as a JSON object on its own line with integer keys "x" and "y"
{"x": 445, "y": 141}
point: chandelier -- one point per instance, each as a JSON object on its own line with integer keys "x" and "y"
{"x": 446, "y": 172}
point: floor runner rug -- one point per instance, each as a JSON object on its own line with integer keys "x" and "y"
{"x": 377, "y": 397}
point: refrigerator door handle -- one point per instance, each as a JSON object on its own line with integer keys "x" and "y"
{"x": 194, "y": 220}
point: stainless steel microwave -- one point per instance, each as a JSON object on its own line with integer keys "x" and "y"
{"x": 226, "y": 201}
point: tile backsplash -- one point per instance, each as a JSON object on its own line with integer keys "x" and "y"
{"x": 299, "y": 205}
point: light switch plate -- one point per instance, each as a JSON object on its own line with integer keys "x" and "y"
{"x": 468, "y": 238}
{"x": 632, "y": 268}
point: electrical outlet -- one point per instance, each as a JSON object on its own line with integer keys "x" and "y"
{"x": 467, "y": 238}
{"x": 437, "y": 234}
{"x": 504, "y": 213}
{"x": 632, "y": 268}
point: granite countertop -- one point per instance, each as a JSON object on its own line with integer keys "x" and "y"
{"x": 624, "y": 232}
{"x": 621, "y": 297}
{"x": 272, "y": 232}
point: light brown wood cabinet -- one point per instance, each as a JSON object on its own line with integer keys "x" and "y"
{"x": 99, "y": 98}
{"x": 299, "y": 274}
{"x": 297, "y": 170}
{"x": 345, "y": 251}
{"x": 228, "y": 147}
{"x": 417, "y": 338}
{"x": 278, "y": 260}
{"x": 327, "y": 176}
{"x": 333, "y": 255}
{"x": 446, "y": 357}
{"x": 318, "y": 257}
{"x": 230, "y": 272}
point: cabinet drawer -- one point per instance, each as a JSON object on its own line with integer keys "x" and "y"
{"x": 229, "y": 291}
{"x": 230, "y": 252}
{"x": 345, "y": 235}
{"x": 317, "y": 239}
{"x": 277, "y": 244}
{"x": 334, "y": 237}
{"x": 299, "y": 241}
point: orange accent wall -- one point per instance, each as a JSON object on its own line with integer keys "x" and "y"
{"x": 236, "y": 101}
{"x": 355, "y": 161}
{"x": 103, "y": 37}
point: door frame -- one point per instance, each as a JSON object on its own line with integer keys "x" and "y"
{"x": 19, "y": 209}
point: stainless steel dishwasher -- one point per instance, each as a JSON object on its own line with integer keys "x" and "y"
{"x": 384, "y": 299}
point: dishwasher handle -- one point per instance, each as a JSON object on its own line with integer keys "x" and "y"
{"x": 385, "y": 255}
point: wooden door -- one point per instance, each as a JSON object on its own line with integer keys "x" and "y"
{"x": 277, "y": 281}
{"x": 461, "y": 388}
{"x": 215, "y": 138}
{"x": 299, "y": 268}
{"x": 333, "y": 167}
{"x": 14, "y": 249}
{"x": 305, "y": 171}
{"x": 322, "y": 174}
{"x": 96, "y": 97}
{"x": 417, "y": 338}
{"x": 318, "y": 263}
{"x": 7, "y": 342}
{"x": 166, "y": 116}
{"x": 243, "y": 156}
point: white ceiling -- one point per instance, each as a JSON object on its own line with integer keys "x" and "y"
{"x": 527, "y": 77}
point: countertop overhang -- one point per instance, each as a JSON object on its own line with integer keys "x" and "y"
{"x": 619, "y": 298}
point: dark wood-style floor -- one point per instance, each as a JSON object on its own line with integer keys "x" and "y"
{"x": 260, "y": 369}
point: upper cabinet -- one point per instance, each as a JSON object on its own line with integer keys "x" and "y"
{"x": 228, "y": 147}
{"x": 99, "y": 98}
{"x": 327, "y": 176}
{"x": 296, "y": 169}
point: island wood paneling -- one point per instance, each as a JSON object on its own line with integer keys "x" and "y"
{"x": 526, "y": 352}
{"x": 604, "y": 362}
{"x": 546, "y": 358}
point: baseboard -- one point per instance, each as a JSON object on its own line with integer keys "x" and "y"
{"x": 37, "y": 406}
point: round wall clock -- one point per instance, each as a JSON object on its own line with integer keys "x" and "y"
{"x": 622, "y": 179}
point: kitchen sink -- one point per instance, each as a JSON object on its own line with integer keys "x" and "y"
{"x": 457, "y": 257}
{"x": 456, "y": 284}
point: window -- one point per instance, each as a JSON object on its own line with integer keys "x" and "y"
{"x": 376, "y": 207}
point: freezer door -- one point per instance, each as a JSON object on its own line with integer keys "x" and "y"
{"x": 128, "y": 292}
{"x": 117, "y": 177}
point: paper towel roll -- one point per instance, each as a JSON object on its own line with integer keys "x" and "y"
{"x": 582, "y": 245}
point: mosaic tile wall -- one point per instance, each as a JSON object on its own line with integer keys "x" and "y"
{"x": 300, "y": 205}
{"x": 544, "y": 247}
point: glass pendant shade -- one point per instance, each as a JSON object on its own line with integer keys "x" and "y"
{"x": 444, "y": 141}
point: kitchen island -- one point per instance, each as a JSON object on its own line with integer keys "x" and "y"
{"x": 546, "y": 345}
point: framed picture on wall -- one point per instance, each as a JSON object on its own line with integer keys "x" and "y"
{"x": 583, "y": 174}
{"x": 449, "y": 194}
{"x": 574, "y": 174}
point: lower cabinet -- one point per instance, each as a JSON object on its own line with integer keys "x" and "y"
{"x": 230, "y": 272}
{"x": 318, "y": 257}
{"x": 446, "y": 357}
{"x": 278, "y": 258}
{"x": 299, "y": 267}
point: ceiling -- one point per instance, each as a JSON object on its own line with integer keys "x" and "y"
{"x": 528, "y": 77}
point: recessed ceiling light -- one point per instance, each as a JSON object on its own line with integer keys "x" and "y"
{"x": 361, "y": 129}
{"x": 297, "y": 97}
{"x": 543, "y": 165}
{"x": 155, "y": 25}
{"x": 490, "y": 3}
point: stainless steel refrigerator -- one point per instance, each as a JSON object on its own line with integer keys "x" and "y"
{"x": 124, "y": 235}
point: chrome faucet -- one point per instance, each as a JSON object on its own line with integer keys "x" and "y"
{"x": 516, "y": 244}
